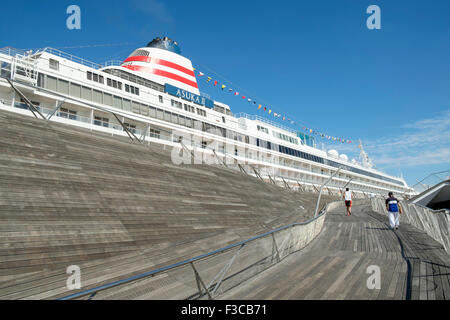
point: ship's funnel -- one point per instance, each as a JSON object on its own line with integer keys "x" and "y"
{"x": 161, "y": 61}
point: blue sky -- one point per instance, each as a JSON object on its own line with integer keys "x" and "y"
{"x": 314, "y": 60}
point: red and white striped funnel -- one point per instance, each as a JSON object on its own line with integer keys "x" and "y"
{"x": 161, "y": 61}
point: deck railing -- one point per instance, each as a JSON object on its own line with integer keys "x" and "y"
{"x": 15, "y": 52}
{"x": 261, "y": 119}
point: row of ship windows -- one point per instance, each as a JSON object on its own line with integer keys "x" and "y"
{"x": 263, "y": 129}
{"x": 179, "y": 105}
{"x": 299, "y": 154}
{"x": 92, "y": 76}
{"x": 111, "y": 83}
{"x": 278, "y": 135}
{"x": 134, "y": 78}
{"x": 284, "y": 137}
{"x": 89, "y": 94}
{"x": 97, "y": 96}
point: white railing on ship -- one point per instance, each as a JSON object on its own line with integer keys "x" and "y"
{"x": 258, "y": 118}
{"x": 112, "y": 63}
{"x": 14, "y": 52}
{"x": 73, "y": 58}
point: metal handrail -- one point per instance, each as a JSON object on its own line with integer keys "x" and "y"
{"x": 95, "y": 290}
{"x": 430, "y": 175}
{"x": 14, "y": 52}
{"x": 258, "y": 118}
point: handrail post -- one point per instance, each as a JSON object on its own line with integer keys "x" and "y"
{"x": 321, "y": 188}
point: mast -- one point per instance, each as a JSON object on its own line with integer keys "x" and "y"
{"x": 365, "y": 160}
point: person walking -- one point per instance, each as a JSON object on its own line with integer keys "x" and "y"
{"x": 394, "y": 210}
{"x": 348, "y": 201}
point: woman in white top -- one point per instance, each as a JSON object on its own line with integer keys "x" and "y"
{"x": 348, "y": 201}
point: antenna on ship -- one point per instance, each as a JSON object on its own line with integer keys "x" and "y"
{"x": 365, "y": 160}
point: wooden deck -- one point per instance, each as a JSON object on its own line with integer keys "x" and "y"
{"x": 413, "y": 265}
{"x": 69, "y": 196}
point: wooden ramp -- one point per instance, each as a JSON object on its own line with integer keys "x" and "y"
{"x": 412, "y": 265}
{"x": 69, "y": 196}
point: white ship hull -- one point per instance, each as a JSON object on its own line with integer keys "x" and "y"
{"x": 87, "y": 95}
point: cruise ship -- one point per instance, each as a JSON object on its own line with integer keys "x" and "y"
{"x": 153, "y": 97}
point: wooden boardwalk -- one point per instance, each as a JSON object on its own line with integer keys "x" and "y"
{"x": 334, "y": 266}
{"x": 69, "y": 196}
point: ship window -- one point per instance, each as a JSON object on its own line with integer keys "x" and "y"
{"x": 155, "y": 133}
{"x": 115, "y": 84}
{"x": 136, "y": 107}
{"x": 117, "y": 102}
{"x": 167, "y": 116}
{"x": 131, "y": 89}
{"x": 66, "y": 113}
{"x": 51, "y": 83}
{"x": 86, "y": 93}
{"x": 54, "y": 64}
{"x": 97, "y": 96}
{"x": 174, "y": 118}
{"x": 189, "y": 123}
{"x": 160, "y": 99}
{"x": 176, "y": 104}
{"x": 130, "y": 127}
{"x": 197, "y": 124}
{"x": 219, "y": 109}
{"x": 144, "y": 110}
{"x": 182, "y": 120}
{"x": 201, "y": 112}
{"x": 102, "y": 122}
{"x": 107, "y": 99}
{"x": 159, "y": 114}
{"x": 63, "y": 86}
{"x": 75, "y": 90}
{"x": 89, "y": 75}
{"x": 152, "y": 112}
{"x": 126, "y": 105}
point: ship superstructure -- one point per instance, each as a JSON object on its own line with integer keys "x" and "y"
{"x": 154, "y": 96}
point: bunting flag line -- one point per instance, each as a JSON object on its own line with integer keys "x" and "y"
{"x": 282, "y": 116}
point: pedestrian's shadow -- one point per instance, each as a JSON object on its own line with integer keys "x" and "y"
{"x": 378, "y": 228}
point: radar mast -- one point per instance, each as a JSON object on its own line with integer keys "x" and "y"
{"x": 365, "y": 160}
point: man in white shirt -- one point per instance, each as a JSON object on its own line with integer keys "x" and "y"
{"x": 348, "y": 201}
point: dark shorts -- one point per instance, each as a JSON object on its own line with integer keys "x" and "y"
{"x": 348, "y": 203}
